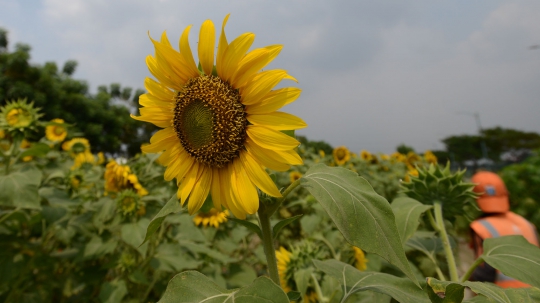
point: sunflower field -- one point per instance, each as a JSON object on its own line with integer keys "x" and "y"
{"x": 224, "y": 204}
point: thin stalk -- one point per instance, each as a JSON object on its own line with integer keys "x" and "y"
{"x": 268, "y": 243}
{"x": 272, "y": 208}
{"x": 471, "y": 269}
{"x": 432, "y": 220}
{"x": 318, "y": 290}
{"x": 439, "y": 273}
{"x": 452, "y": 268}
{"x": 8, "y": 215}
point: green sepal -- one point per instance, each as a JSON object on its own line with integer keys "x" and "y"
{"x": 277, "y": 228}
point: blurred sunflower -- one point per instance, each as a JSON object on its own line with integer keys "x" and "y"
{"x": 24, "y": 145}
{"x": 288, "y": 263}
{"x": 56, "y": 132}
{"x": 341, "y": 155}
{"x": 294, "y": 175}
{"x": 322, "y": 154}
{"x": 213, "y": 217}
{"x": 119, "y": 177}
{"x": 221, "y": 127}
{"x": 76, "y": 146}
{"x": 19, "y": 115}
{"x": 129, "y": 203}
{"x": 412, "y": 171}
{"x": 365, "y": 155}
{"x": 412, "y": 158}
{"x": 429, "y": 157}
{"x": 359, "y": 259}
{"x": 399, "y": 157}
{"x": 82, "y": 158}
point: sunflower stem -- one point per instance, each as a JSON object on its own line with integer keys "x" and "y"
{"x": 268, "y": 243}
{"x": 452, "y": 268}
{"x": 471, "y": 269}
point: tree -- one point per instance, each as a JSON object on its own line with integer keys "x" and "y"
{"x": 404, "y": 149}
{"x": 315, "y": 145}
{"x": 103, "y": 121}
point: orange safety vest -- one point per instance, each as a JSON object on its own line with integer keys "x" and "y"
{"x": 505, "y": 224}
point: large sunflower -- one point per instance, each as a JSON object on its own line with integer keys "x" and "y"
{"x": 221, "y": 127}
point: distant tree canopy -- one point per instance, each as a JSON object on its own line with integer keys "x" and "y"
{"x": 514, "y": 144}
{"x": 404, "y": 149}
{"x": 102, "y": 118}
{"x": 316, "y": 145}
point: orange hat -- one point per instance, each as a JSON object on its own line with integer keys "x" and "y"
{"x": 494, "y": 195}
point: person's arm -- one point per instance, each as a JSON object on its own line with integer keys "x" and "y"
{"x": 484, "y": 272}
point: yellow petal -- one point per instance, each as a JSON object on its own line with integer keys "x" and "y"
{"x": 215, "y": 190}
{"x": 151, "y": 100}
{"x": 207, "y": 40}
{"x": 164, "y": 39}
{"x": 188, "y": 182}
{"x": 160, "y": 74}
{"x": 290, "y": 156}
{"x": 258, "y": 175}
{"x": 266, "y": 157}
{"x": 162, "y": 122}
{"x": 169, "y": 155}
{"x": 185, "y": 51}
{"x": 200, "y": 192}
{"x": 260, "y": 85}
{"x": 157, "y": 90}
{"x": 225, "y": 176}
{"x": 243, "y": 189}
{"x": 277, "y": 121}
{"x": 274, "y": 100}
{"x": 160, "y": 139}
{"x": 172, "y": 63}
{"x": 252, "y": 63}
{"x": 234, "y": 53}
{"x": 222, "y": 48}
{"x": 270, "y": 139}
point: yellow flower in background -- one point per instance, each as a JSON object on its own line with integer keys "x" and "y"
{"x": 341, "y": 155}
{"x": 56, "y": 133}
{"x": 221, "y": 124}
{"x": 294, "y": 175}
{"x": 412, "y": 171}
{"x": 322, "y": 154}
{"x": 359, "y": 259}
{"x": 365, "y": 155}
{"x": 412, "y": 158}
{"x": 129, "y": 203}
{"x": 283, "y": 257}
{"x": 101, "y": 158}
{"x": 82, "y": 158}
{"x": 76, "y": 145}
{"x": 384, "y": 157}
{"x": 213, "y": 217}
{"x": 430, "y": 157}
{"x": 18, "y": 115}
{"x": 119, "y": 177}
{"x": 2, "y": 134}
{"x": 24, "y": 145}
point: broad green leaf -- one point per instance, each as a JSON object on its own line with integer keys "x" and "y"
{"x": 96, "y": 248}
{"x": 504, "y": 295}
{"x": 37, "y": 150}
{"x": 444, "y": 292}
{"x": 514, "y": 256}
{"x": 20, "y": 188}
{"x": 172, "y": 206}
{"x": 113, "y": 292}
{"x": 133, "y": 234}
{"x": 353, "y": 280}
{"x": 244, "y": 277}
{"x": 192, "y": 286}
{"x": 301, "y": 278}
{"x": 201, "y": 249}
{"x": 277, "y": 228}
{"x": 171, "y": 257}
{"x": 407, "y": 212}
{"x": 57, "y": 197}
{"x": 251, "y": 226}
{"x": 364, "y": 218}
{"x": 294, "y": 295}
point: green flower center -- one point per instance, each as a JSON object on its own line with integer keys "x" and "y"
{"x": 210, "y": 120}
{"x": 59, "y": 130}
{"x": 19, "y": 117}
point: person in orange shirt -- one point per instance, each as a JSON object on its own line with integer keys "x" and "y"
{"x": 496, "y": 221}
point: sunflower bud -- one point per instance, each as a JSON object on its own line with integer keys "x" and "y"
{"x": 436, "y": 184}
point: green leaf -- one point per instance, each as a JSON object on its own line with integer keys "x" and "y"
{"x": 407, "y": 212}
{"x": 364, "y": 218}
{"x": 171, "y": 257}
{"x": 37, "y": 150}
{"x": 353, "y": 280}
{"x": 201, "y": 249}
{"x": 277, "y": 228}
{"x": 133, "y": 234}
{"x": 244, "y": 277}
{"x": 172, "y": 206}
{"x": 444, "y": 292}
{"x": 301, "y": 278}
{"x": 294, "y": 295}
{"x": 20, "y": 188}
{"x": 514, "y": 256}
{"x": 56, "y": 197}
{"x": 192, "y": 286}
{"x": 251, "y": 226}
{"x": 504, "y": 295}
{"x": 113, "y": 292}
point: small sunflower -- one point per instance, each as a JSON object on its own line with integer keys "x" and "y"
{"x": 294, "y": 175}
{"x": 24, "y": 145}
{"x": 384, "y": 157}
{"x": 412, "y": 172}
{"x": 55, "y": 131}
{"x": 129, "y": 203}
{"x": 359, "y": 259}
{"x": 412, "y": 158}
{"x": 100, "y": 158}
{"x": 119, "y": 177}
{"x": 283, "y": 257}
{"x": 365, "y": 155}
{"x": 19, "y": 115}
{"x": 429, "y": 157}
{"x": 213, "y": 217}
{"x": 83, "y": 158}
{"x": 76, "y": 146}
{"x": 398, "y": 157}
{"x": 221, "y": 124}
{"x": 341, "y": 155}
{"x": 322, "y": 154}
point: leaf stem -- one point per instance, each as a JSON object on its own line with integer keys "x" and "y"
{"x": 272, "y": 208}
{"x": 268, "y": 243}
{"x": 452, "y": 268}
{"x": 320, "y": 296}
{"x": 471, "y": 269}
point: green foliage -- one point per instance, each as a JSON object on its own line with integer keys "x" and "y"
{"x": 404, "y": 149}
{"x": 315, "y": 146}
{"x": 523, "y": 183}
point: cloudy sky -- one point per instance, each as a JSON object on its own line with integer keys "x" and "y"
{"x": 374, "y": 74}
